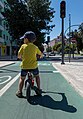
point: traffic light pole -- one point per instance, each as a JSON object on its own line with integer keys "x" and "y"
{"x": 62, "y": 41}
{"x": 62, "y": 15}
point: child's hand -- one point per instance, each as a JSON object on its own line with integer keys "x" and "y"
{"x": 18, "y": 59}
{"x": 38, "y": 56}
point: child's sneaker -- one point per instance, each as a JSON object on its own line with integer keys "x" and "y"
{"x": 39, "y": 92}
{"x": 19, "y": 94}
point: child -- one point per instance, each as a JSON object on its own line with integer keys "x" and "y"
{"x": 27, "y": 53}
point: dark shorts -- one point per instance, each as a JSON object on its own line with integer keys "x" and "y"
{"x": 24, "y": 72}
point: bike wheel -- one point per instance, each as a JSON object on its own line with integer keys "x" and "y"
{"x": 28, "y": 91}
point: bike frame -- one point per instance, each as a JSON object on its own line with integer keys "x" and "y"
{"x": 29, "y": 84}
{"x": 29, "y": 79}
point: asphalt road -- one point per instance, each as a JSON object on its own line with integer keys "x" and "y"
{"x": 59, "y": 100}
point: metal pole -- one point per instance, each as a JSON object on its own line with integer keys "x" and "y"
{"x": 73, "y": 50}
{"x": 69, "y": 37}
{"x": 48, "y": 46}
{"x": 10, "y": 49}
{"x": 62, "y": 41}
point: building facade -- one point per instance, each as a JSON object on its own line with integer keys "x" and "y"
{"x": 2, "y": 46}
{"x": 6, "y": 45}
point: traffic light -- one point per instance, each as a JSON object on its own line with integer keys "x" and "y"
{"x": 48, "y": 39}
{"x": 62, "y": 9}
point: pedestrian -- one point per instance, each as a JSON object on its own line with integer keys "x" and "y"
{"x": 28, "y": 52}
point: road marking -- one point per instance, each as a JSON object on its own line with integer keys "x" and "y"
{"x": 8, "y": 85}
{"x": 56, "y": 72}
{"x": 48, "y": 71}
{"x": 44, "y": 64}
{"x": 2, "y": 82}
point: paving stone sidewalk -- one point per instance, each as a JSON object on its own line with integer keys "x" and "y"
{"x": 5, "y": 63}
{"x": 73, "y": 73}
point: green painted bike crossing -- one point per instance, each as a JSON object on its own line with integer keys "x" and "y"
{"x": 58, "y": 101}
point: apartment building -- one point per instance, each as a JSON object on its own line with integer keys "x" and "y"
{"x": 2, "y": 47}
{"x": 6, "y": 46}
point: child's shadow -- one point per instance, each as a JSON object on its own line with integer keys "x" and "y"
{"x": 48, "y": 102}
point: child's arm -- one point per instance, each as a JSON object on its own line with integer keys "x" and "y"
{"x": 19, "y": 56}
{"x": 20, "y": 52}
{"x": 39, "y": 53}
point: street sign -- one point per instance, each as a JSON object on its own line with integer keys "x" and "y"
{"x": 73, "y": 40}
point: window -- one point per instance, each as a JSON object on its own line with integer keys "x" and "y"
{"x": 0, "y": 33}
{"x": 4, "y": 36}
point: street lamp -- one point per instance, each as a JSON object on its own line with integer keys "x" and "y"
{"x": 69, "y": 28}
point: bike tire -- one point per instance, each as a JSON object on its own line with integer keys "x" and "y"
{"x": 28, "y": 91}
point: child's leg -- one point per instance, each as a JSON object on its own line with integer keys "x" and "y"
{"x": 20, "y": 87}
{"x": 36, "y": 74}
{"x": 21, "y": 84}
{"x": 38, "y": 81}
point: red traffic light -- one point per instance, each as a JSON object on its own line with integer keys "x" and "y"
{"x": 62, "y": 9}
{"x": 62, "y": 5}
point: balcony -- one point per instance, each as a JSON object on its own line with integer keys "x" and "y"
{"x": 1, "y": 28}
{"x": 1, "y": 5}
{"x": 1, "y": 16}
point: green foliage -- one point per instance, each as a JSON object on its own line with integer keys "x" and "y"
{"x": 35, "y": 15}
{"x": 17, "y": 19}
{"x": 81, "y": 31}
{"x": 71, "y": 48}
{"x": 49, "y": 49}
{"x": 78, "y": 35}
{"x": 57, "y": 46}
{"x": 42, "y": 13}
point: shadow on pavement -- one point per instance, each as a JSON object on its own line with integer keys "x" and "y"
{"x": 48, "y": 102}
{"x": 50, "y": 59}
{"x": 45, "y": 71}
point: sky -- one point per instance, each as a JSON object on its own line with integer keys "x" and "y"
{"x": 74, "y": 8}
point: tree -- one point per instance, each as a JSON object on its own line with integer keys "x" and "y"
{"x": 57, "y": 47}
{"x": 79, "y": 40}
{"x": 23, "y": 15}
{"x": 42, "y": 13}
{"x": 49, "y": 49}
{"x": 17, "y": 17}
{"x": 77, "y": 34}
{"x": 81, "y": 31}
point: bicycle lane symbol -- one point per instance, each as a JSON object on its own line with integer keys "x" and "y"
{"x": 7, "y": 78}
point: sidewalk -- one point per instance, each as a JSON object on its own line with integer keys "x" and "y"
{"x": 73, "y": 73}
{"x": 7, "y": 60}
{"x": 5, "y": 63}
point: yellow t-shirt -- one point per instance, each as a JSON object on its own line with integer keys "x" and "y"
{"x": 28, "y": 53}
